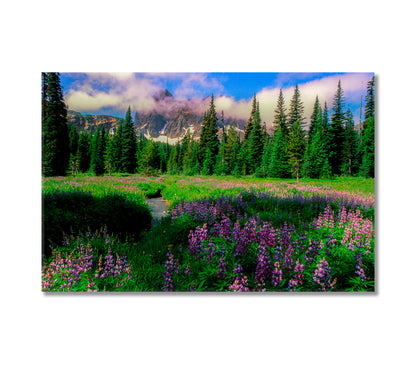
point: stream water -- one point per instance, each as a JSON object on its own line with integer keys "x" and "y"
{"x": 158, "y": 207}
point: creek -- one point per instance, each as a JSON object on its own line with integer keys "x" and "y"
{"x": 159, "y": 208}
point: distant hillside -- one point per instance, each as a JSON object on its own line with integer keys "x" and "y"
{"x": 89, "y": 122}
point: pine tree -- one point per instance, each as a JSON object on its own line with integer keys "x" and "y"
{"x": 209, "y": 143}
{"x": 367, "y": 168}
{"x": 109, "y": 154}
{"x": 55, "y": 132}
{"x": 326, "y": 171}
{"x": 310, "y": 162}
{"x": 280, "y": 118}
{"x": 316, "y": 156}
{"x": 118, "y": 147}
{"x": 255, "y": 143}
{"x": 368, "y": 147}
{"x": 194, "y": 166}
{"x": 263, "y": 170}
{"x": 129, "y": 145}
{"x": 74, "y": 155}
{"x": 173, "y": 162}
{"x": 164, "y": 156}
{"x": 369, "y": 108}
{"x": 350, "y": 148}
{"x": 243, "y": 163}
{"x": 84, "y": 148}
{"x": 279, "y": 166}
{"x": 325, "y": 119}
{"x": 296, "y": 148}
{"x": 220, "y": 165}
{"x": 186, "y": 150}
{"x": 73, "y": 140}
{"x": 337, "y": 131}
{"x": 97, "y": 154}
{"x": 150, "y": 159}
{"x": 232, "y": 137}
{"x": 316, "y": 118}
{"x": 250, "y": 121}
{"x": 296, "y": 109}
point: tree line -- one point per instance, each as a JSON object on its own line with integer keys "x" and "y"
{"x": 330, "y": 146}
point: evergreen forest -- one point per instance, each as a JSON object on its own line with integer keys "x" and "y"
{"x": 332, "y": 144}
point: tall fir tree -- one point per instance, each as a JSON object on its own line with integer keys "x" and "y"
{"x": 337, "y": 131}
{"x": 118, "y": 146}
{"x": 74, "y": 155}
{"x": 255, "y": 142}
{"x": 296, "y": 109}
{"x": 97, "y": 153}
{"x": 129, "y": 145}
{"x": 55, "y": 131}
{"x": 149, "y": 162}
{"x": 316, "y": 118}
{"x": 173, "y": 162}
{"x": 211, "y": 143}
{"x": 350, "y": 148}
{"x": 84, "y": 147}
{"x": 232, "y": 138}
{"x": 368, "y": 149}
{"x": 369, "y": 108}
{"x": 279, "y": 166}
{"x": 309, "y": 164}
{"x": 250, "y": 121}
{"x": 367, "y": 168}
{"x": 187, "y": 146}
{"x": 296, "y": 148}
{"x": 280, "y": 118}
{"x": 263, "y": 170}
{"x": 194, "y": 167}
{"x": 316, "y": 158}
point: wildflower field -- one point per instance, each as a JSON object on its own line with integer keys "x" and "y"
{"x": 220, "y": 234}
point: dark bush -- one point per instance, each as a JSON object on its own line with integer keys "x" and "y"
{"x": 75, "y": 212}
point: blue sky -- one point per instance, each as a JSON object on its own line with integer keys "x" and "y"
{"x": 112, "y": 93}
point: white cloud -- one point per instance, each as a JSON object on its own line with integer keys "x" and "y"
{"x": 116, "y": 90}
{"x": 120, "y": 90}
{"x": 192, "y": 84}
{"x": 325, "y": 88}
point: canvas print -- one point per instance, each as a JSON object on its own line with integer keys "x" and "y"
{"x": 208, "y": 182}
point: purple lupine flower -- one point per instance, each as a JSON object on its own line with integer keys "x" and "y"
{"x": 342, "y": 217}
{"x": 328, "y": 217}
{"x": 238, "y": 270}
{"x": 322, "y": 275}
{"x": 187, "y": 270}
{"x": 285, "y": 237}
{"x": 312, "y": 251}
{"x": 277, "y": 274}
{"x": 329, "y": 244}
{"x": 196, "y": 241}
{"x": 210, "y": 251}
{"x": 287, "y": 258}
{"x": 170, "y": 269}
{"x": 359, "y": 267}
{"x": 222, "y": 268}
{"x": 263, "y": 268}
{"x": 268, "y": 235}
{"x": 240, "y": 284}
{"x": 66, "y": 270}
{"x": 298, "y": 277}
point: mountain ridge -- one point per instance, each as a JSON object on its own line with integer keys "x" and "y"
{"x": 168, "y": 123}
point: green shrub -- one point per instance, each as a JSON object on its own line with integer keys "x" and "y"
{"x": 65, "y": 212}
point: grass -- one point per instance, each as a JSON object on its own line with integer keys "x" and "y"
{"x": 308, "y": 234}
